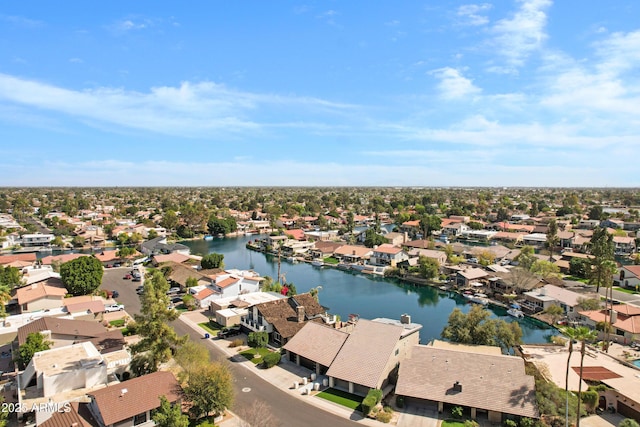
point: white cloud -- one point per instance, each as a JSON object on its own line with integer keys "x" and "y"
{"x": 453, "y": 85}
{"x": 21, "y": 21}
{"x": 190, "y": 110}
{"x": 518, "y": 37}
{"x": 76, "y": 60}
{"x": 472, "y": 14}
{"x": 619, "y": 53}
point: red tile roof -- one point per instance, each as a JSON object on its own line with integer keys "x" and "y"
{"x": 122, "y": 401}
{"x": 36, "y": 291}
{"x": 227, "y": 282}
{"x": 7, "y": 259}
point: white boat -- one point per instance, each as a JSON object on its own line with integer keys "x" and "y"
{"x": 518, "y": 314}
{"x": 291, "y": 259}
{"x": 478, "y": 298}
{"x": 317, "y": 263}
{"x": 208, "y": 237}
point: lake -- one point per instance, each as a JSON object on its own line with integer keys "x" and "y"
{"x": 347, "y": 293}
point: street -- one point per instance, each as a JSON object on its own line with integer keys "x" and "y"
{"x": 112, "y": 280}
{"x": 289, "y": 410}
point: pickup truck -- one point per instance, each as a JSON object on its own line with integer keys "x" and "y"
{"x": 113, "y": 307}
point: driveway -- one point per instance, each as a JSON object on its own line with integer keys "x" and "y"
{"x": 416, "y": 415}
{"x": 623, "y": 297}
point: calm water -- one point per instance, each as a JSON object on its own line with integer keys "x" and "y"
{"x": 370, "y": 297}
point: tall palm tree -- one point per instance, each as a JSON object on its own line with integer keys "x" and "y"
{"x": 584, "y": 334}
{"x": 572, "y": 335}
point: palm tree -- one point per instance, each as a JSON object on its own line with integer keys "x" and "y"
{"x": 583, "y": 334}
{"x": 571, "y": 334}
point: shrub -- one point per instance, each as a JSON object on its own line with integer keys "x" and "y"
{"x": 510, "y": 423}
{"x": 456, "y": 411}
{"x": 590, "y": 399}
{"x": 271, "y": 359}
{"x": 471, "y": 423}
{"x": 376, "y": 394}
{"x": 236, "y": 343}
{"x": 400, "y": 401}
{"x": 258, "y": 339}
{"x": 368, "y": 403}
{"x": 384, "y": 417}
{"x": 628, "y": 422}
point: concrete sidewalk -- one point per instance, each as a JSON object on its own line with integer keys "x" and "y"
{"x": 281, "y": 376}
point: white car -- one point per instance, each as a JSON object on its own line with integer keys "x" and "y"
{"x": 113, "y": 307}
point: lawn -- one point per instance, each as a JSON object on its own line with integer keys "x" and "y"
{"x": 452, "y": 423}
{"x": 343, "y": 398}
{"x": 576, "y": 279}
{"x": 118, "y": 323}
{"x": 625, "y": 290}
{"x": 331, "y": 260}
{"x": 211, "y": 327}
{"x": 249, "y": 354}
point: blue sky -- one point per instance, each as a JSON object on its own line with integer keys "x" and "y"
{"x": 433, "y": 93}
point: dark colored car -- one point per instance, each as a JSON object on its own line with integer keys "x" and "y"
{"x": 229, "y": 332}
{"x": 140, "y": 290}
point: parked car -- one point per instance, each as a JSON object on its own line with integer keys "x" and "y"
{"x": 139, "y": 290}
{"x": 112, "y": 294}
{"x": 473, "y": 260}
{"x": 109, "y": 266}
{"x": 173, "y": 290}
{"x": 113, "y": 307}
{"x": 117, "y": 264}
{"x": 229, "y": 331}
{"x": 137, "y": 279}
{"x": 127, "y": 276}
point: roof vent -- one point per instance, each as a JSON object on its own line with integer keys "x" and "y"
{"x": 457, "y": 386}
{"x": 123, "y": 392}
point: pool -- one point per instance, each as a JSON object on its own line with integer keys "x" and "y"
{"x": 636, "y": 363}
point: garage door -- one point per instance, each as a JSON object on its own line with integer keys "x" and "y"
{"x": 628, "y": 411}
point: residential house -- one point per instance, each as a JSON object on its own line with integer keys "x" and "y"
{"x": 44, "y": 295}
{"x": 296, "y": 234}
{"x": 159, "y": 245}
{"x": 61, "y": 332}
{"x": 59, "y": 370}
{"x": 588, "y": 224}
{"x": 439, "y": 256}
{"x": 624, "y": 245}
{"x": 323, "y": 249}
{"x": 230, "y": 283}
{"x": 628, "y": 277}
{"x": 542, "y": 298}
{"x": 36, "y": 240}
{"x": 356, "y": 358}
{"x": 283, "y": 318}
{"x": 412, "y": 228}
{"x": 10, "y": 260}
{"x": 130, "y": 403}
{"x": 78, "y": 415}
{"x": 396, "y": 239}
{"x": 292, "y": 247}
{"x": 321, "y": 235}
{"x": 387, "y": 254}
{"x": 351, "y": 254}
{"x": 614, "y": 223}
{"x": 174, "y": 257}
{"x": 455, "y": 229}
{"x": 466, "y": 276}
{"x": 373, "y": 350}
{"x": 229, "y": 311}
{"x": 535, "y": 239}
{"x": 491, "y": 384}
{"x": 625, "y": 319}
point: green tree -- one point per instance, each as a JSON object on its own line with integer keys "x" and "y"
{"x": 371, "y": 238}
{"x": 258, "y": 339}
{"x": 82, "y": 276}
{"x": 628, "y": 422}
{"x": 545, "y": 269}
{"x": 168, "y": 415}
{"x": 191, "y": 356}
{"x": 602, "y": 248}
{"x": 191, "y": 282}
{"x": 429, "y": 267}
{"x": 57, "y": 241}
{"x": 4, "y": 413}
{"x": 209, "y": 389}
{"x": 428, "y": 224}
{"x": 526, "y": 257}
{"x": 126, "y": 252}
{"x": 555, "y": 312}
{"x": 34, "y": 343}
{"x": 579, "y": 267}
{"x": 588, "y": 304}
{"x": 212, "y": 260}
{"x": 78, "y": 241}
{"x": 552, "y": 238}
{"x": 159, "y": 340}
{"x": 224, "y": 226}
{"x": 477, "y": 328}
{"x": 595, "y": 212}
{"x": 169, "y": 220}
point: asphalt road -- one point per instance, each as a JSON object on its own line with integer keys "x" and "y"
{"x": 289, "y": 410}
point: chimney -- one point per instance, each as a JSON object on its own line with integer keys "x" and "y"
{"x": 405, "y": 319}
{"x": 614, "y": 316}
{"x": 405, "y": 237}
{"x": 300, "y": 310}
{"x": 457, "y": 387}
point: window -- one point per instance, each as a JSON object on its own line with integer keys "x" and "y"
{"x": 139, "y": 419}
{"x": 276, "y": 336}
{"x": 397, "y": 351}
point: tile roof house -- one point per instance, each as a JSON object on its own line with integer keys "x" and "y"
{"x": 387, "y": 254}
{"x": 61, "y": 332}
{"x": 625, "y": 320}
{"x": 131, "y": 402}
{"x": 283, "y": 318}
{"x": 159, "y": 245}
{"x": 77, "y": 416}
{"x": 548, "y": 295}
{"x": 493, "y": 384}
{"x": 628, "y": 276}
{"x": 352, "y": 253}
{"x": 41, "y": 296}
{"x": 466, "y": 276}
{"x": 8, "y": 259}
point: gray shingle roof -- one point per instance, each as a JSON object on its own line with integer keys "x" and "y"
{"x": 490, "y": 382}
{"x": 366, "y": 352}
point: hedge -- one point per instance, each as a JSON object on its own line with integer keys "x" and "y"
{"x": 270, "y": 360}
